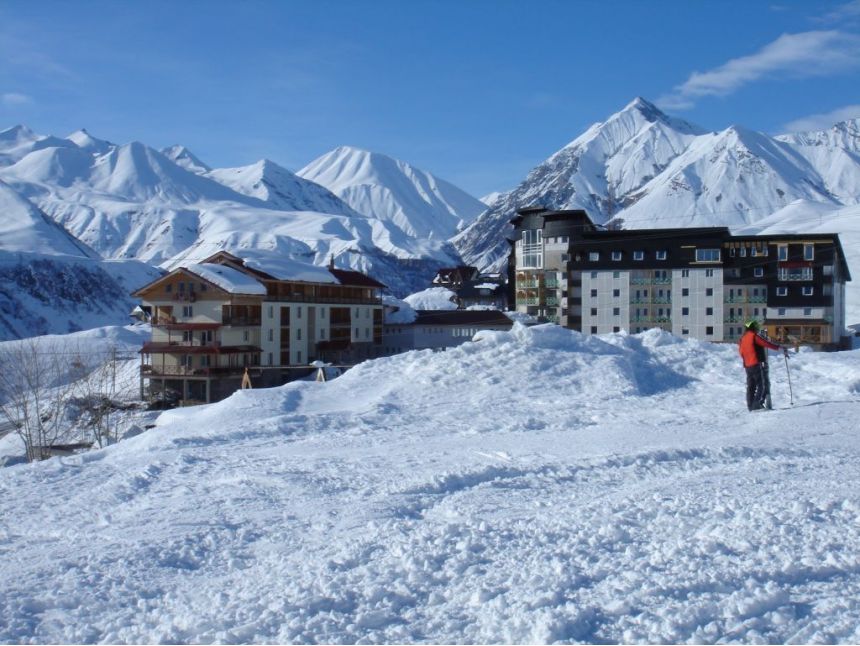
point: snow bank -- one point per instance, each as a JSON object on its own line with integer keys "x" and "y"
{"x": 433, "y": 298}
{"x": 531, "y": 486}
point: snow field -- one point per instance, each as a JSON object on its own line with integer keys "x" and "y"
{"x": 533, "y": 486}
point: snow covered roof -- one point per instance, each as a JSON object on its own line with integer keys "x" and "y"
{"x": 284, "y": 268}
{"x": 230, "y": 280}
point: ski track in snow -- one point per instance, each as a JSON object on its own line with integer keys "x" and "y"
{"x": 534, "y": 486}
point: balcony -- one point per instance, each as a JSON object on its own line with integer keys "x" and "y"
{"x": 149, "y": 370}
{"x": 242, "y": 321}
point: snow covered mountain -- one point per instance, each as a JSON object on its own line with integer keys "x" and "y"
{"x": 281, "y": 189}
{"x": 131, "y": 201}
{"x": 181, "y": 156}
{"x": 417, "y": 203}
{"x": 642, "y": 168}
{"x": 50, "y": 282}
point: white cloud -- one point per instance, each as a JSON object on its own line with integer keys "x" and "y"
{"x": 842, "y": 14}
{"x": 811, "y": 53}
{"x": 823, "y": 121}
{"x": 12, "y": 99}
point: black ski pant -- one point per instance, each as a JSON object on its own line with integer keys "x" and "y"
{"x": 757, "y": 386}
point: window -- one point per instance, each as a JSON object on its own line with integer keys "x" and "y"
{"x": 685, "y": 311}
{"x": 732, "y": 252}
{"x": 685, "y": 273}
{"x": 593, "y": 256}
{"x": 616, "y": 311}
{"x": 709, "y": 311}
{"x": 181, "y": 286}
{"x": 807, "y": 311}
{"x": 685, "y": 291}
{"x": 709, "y": 291}
{"x": 187, "y": 336}
{"x": 743, "y": 252}
{"x": 709, "y": 330}
{"x": 246, "y": 336}
{"x": 615, "y": 328}
{"x": 299, "y": 313}
{"x": 271, "y": 363}
{"x": 203, "y": 287}
{"x": 271, "y": 335}
{"x": 593, "y": 293}
{"x": 781, "y": 311}
{"x": 782, "y": 252}
{"x": 758, "y": 272}
{"x": 685, "y": 330}
{"x": 594, "y": 311}
{"x": 709, "y": 273}
{"x": 169, "y": 288}
{"x": 271, "y": 312}
{"x": 638, "y": 255}
{"x": 827, "y": 270}
{"x": 594, "y": 274}
{"x": 298, "y": 334}
{"x": 707, "y": 255}
{"x": 532, "y": 245}
{"x": 616, "y": 255}
{"x": 661, "y": 255}
{"x": 794, "y": 273}
{"x": 782, "y": 291}
{"x": 808, "y": 291}
{"x": 594, "y": 329}
{"x": 809, "y": 252}
{"x": 616, "y": 293}
{"x": 187, "y": 311}
{"x": 616, "y": 274}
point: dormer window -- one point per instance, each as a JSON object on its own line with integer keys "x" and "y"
{"x": 616, "y": 255}
{"x": 809, "y": 252}
{"x": 638, "y": 255}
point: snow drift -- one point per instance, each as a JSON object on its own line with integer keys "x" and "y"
{"x": 532, "y": 486}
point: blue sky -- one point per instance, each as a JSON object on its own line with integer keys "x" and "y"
{"x": 477, "y": 92}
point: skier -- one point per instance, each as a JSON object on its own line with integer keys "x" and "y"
{"x": 753, "y": 349}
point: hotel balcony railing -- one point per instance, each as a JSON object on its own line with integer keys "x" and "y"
{"x": 242, "y": 320}
{"x": 552, "y": 301}
{"x": 527, "y": 301}
{"x": 185, "y": 371}
{"x": 323, "y": 300}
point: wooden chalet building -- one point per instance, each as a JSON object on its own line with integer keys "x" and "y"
{"x": 216, "y": 321}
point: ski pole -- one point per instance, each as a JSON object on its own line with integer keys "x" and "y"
{"x": 788, "y": 374}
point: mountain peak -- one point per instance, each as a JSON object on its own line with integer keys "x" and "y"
{"x": 17, "y": 133}
{"x": 83, "y": 139}
{"x": 181, "y": 156}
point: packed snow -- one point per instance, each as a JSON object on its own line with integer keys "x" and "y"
{"x": 530, "y": 486}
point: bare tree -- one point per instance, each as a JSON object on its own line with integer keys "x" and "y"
{"x": 36, "y": 380}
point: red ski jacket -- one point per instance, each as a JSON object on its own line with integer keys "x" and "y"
{"x": 752, "y": 348}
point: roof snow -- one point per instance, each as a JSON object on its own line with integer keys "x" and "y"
{"x": 230, "y": 280}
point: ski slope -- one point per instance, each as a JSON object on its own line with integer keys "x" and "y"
{"x": 531, "y": 486}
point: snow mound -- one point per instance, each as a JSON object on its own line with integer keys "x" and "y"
{"x": 433, "y": 298}
{"x": 534, "y": 485}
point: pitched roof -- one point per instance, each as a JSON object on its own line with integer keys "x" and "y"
{"x": 355, "y": 278}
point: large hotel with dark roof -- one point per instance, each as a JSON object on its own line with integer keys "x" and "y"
{"x": 700, "y": 283}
